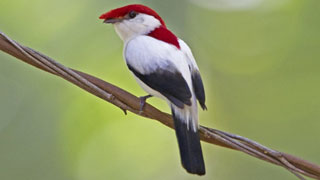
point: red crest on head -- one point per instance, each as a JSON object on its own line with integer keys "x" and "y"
{"x": 122, "y": 11}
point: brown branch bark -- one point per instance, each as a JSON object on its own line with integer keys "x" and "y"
{"x": 128, "y": 102}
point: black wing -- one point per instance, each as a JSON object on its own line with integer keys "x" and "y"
{"x": 198, "y": 88}
{"x": 169, "y": 83}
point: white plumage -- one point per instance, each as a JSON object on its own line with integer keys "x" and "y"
{"x": 164, "y": 67}
{"x": 147, "y": 54}
{"x": 141, "y": 24}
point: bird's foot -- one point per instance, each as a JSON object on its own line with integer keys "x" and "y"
{"x": 143, "y": 101}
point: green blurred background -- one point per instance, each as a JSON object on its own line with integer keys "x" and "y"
{"x": 260, "y": 64}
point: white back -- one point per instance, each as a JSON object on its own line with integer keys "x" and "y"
{"x": 146, "y": 54}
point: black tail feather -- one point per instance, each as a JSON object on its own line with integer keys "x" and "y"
{"x": 189, "y": 146}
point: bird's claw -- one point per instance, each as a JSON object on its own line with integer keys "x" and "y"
{"x": 143, "y": 102}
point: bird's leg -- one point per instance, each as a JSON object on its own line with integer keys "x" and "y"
{"x": 143, "y": 101}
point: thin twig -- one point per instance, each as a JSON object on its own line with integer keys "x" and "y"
{"x": 128, "y": 102}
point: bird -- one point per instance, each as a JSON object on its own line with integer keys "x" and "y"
{"x": 164, "y": 66}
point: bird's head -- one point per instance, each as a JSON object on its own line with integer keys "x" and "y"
{"x": 133, "y": 20}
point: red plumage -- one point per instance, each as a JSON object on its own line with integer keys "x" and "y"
{"x": 166, "y": 70}
{"x": 122, "y": 11}
{"x": 163, "y": 34}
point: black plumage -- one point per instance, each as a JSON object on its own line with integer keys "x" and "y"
{"x": 198, "y": 88}
{"x": 189, "y": 146}
{"x": 169, "y": 83}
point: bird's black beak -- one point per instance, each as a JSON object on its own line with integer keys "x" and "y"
{"x": 112, "y": 21}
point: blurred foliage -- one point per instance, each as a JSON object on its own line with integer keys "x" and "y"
{"x": 260, "y": 64}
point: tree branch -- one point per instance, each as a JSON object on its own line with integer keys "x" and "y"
{"x": 128, "y": 102}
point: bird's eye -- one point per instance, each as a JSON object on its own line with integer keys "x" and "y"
{"x": 132, "y": 14}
